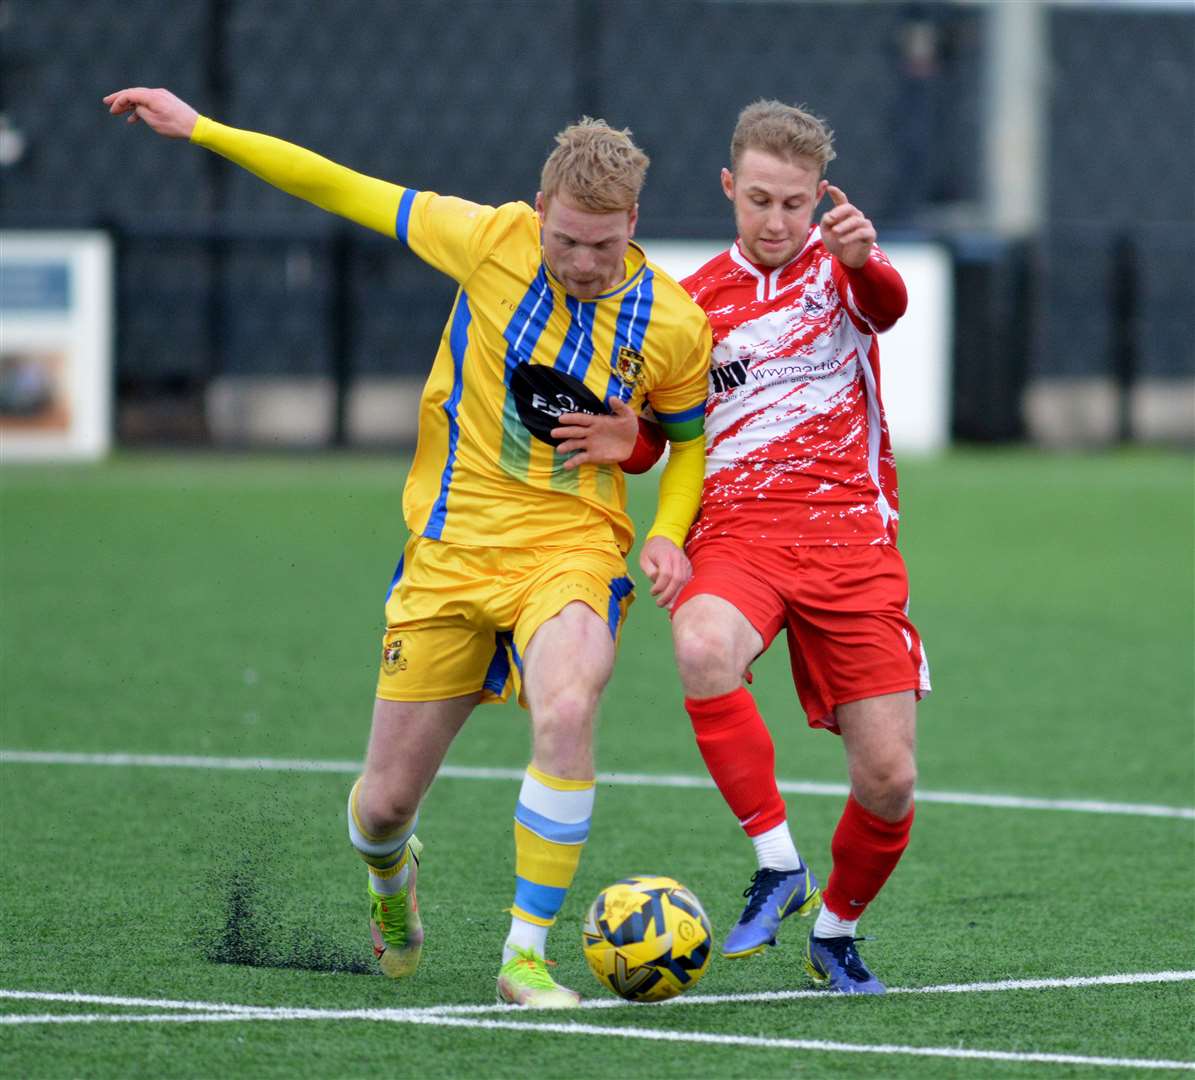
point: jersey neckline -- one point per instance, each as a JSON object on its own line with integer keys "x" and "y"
{"x": 635, "y": 255}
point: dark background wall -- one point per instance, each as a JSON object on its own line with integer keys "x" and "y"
{"x": 1120, "y": 194}
{"x": 220, "y": 274}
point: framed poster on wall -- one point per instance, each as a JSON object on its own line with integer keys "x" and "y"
{"x": 55, "y": 345}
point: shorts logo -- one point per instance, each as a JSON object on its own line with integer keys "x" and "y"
{"x": 393, "y": 660}
{"x": 629, "y": 365}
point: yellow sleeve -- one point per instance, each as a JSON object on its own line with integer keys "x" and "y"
{"x": 450, "y": 234}
{"x": 680, "y": 405}
{"x": 680, "y": 490}
{"x": 453, "y": 234}
{"x": 304, "y": 174}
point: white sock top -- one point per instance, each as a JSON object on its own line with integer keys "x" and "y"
{"x": 830, "y": 925}
{"x": 775, "y": 850}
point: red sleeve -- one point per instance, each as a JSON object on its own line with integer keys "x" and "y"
{"x": 877, "y": 290}
{"x": 649, "y": 448}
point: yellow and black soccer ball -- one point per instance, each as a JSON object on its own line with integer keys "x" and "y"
{"x": 647, "y": 938}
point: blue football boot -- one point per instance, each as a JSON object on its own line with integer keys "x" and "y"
{"x": 772, "y": 896}
{"x": 833, "y": 962}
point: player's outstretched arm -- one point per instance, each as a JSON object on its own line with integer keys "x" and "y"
{"x": 299, "y": 172}
{"x": 160, "y": 109}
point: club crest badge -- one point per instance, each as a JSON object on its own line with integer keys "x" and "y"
{"x": 393, "y": 660}
{"x": 628, "y": 365}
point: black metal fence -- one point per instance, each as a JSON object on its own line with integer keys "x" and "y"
{"x": 220, "y": 275}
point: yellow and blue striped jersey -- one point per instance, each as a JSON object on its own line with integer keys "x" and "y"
{"x": 480, "y": 476}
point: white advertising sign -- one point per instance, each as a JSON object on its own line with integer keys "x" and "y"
{"x": 55, "y": 345}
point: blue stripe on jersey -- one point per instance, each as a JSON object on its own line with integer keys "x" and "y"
{"x": 402, "y": 219}
{"x": 396, "y": 579}
{"x": 558, "y": 832}
{"x": 619, "y": 589}
{"x": 630, "y": 329}
{"x": 523, "y": 331}
{"x": 681, "y": 417}
{"x": 499, "y": 669}
{"x": 522, "y": 335}
{"x": 458, "y": 339}
{"x": 576, "y": 351}
{"x": 542, "y": 901}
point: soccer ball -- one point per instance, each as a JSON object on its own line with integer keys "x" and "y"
{"x": 647, "y": 938}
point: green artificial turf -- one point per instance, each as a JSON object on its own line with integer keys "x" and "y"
{"x": 231, "y": 607}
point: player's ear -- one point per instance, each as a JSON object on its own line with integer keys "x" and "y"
{"x": 728, "y": 184}
{"x": 632, "y": 220}
{"x": 821, "y": 191}
{"x": 540, "y": 206}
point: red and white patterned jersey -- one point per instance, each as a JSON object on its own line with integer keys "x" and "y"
{"x": 797, "y": 448}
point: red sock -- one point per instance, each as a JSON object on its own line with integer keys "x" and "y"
{"x": 737, "y": 748}
{"x": 865, "y": 850}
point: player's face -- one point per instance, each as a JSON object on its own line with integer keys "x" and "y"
{"x": 585, "y": 250}
{"x": 774, "y": 199}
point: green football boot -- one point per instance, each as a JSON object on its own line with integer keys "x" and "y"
{"x": 524, "y": 980}
{"x": 394, "y": 922}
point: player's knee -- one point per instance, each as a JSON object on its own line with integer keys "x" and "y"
{"x": 565, "y": 714}
{"x": 703, "y": 655}
{"x": 383, "y": 812}
{"x": 885, "y": 786}
{"x": 562, "y": 732}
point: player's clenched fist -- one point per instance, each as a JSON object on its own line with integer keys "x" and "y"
{"x": 668, "y": 568}
{"x": 160, "y": 109}
{"x": 846, "y": 233}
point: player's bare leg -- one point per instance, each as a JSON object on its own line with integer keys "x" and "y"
{"x": 566, "y": 665}
{"x": 879, "y": 735}
{"x": 714, "y": 644}
{"x": 407, "y": 743}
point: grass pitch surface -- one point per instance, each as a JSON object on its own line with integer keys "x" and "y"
{"x": 227, "y": 608}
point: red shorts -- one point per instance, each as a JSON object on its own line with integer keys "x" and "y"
{"x": 844, "y": 608}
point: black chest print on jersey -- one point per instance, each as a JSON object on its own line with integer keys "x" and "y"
{"x": 542, "y": 394}
{"x": 728, "y": 376}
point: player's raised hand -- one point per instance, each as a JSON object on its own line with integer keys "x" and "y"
{"x": 600, "y": 440}
{"x": 846, "y": 233}
{"x": 160, "y": 109}
{"x": 668, "y": 568}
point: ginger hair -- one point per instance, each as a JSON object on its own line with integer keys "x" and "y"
{"x": 597, "y": 167}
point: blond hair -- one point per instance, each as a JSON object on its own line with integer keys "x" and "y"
{"x": 784, "y": 131}
{"x": 599, "y": 168}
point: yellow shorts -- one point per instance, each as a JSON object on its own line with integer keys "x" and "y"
{"x": 458, "y": 618}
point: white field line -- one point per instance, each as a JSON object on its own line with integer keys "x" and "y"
{"x": 213, "y": 1012}
{"x": 1074, "y": 982}
{"x": 463, "y": 772}
{"x": 651, "y": 1034}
